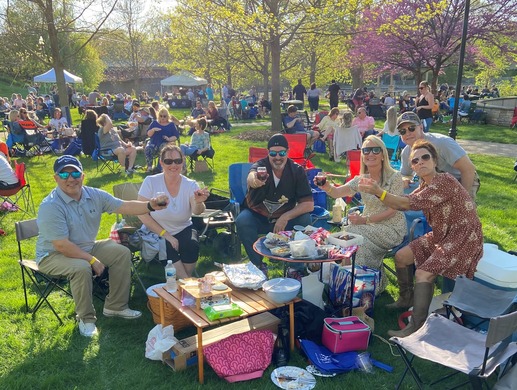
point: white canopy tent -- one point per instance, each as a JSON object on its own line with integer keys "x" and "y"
{"x": 50, "y": 77}
{"x": 183, "y": 79}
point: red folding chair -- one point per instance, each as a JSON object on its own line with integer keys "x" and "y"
{"x": 353, "y": 163}
{"x": 297, "y": 146}
{"x": 256, "y": 154}
{"x": 21, "y": 194}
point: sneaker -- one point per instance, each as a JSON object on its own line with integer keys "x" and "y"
{"x": 129, "y": 172}
{"x": 128, "y": 314}
{"x": 87, "y": 329}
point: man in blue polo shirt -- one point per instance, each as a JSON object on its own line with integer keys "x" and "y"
{"x": 68, "y": 221}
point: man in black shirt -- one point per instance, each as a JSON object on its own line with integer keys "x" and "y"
{"x": 299, "y": 91}
{"x": 333, "y": 94}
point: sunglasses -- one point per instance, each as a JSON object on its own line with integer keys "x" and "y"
{"x": 66, "y": 175}
{"x": 163, "y": 116}
{"x": 421, "y": 87}
{"x": 404, "y": 131}
{"x": 281, "y": 153}
{"x": 170, "y": 161}
{"x": 374, "y": 150}
{"x": 424, "y": 157}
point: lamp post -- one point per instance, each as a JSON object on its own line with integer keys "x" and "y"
{"x": 453, "y": 131}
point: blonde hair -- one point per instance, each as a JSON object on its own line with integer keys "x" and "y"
{"x": 13, "y": 114}
{"x": 391, "y": 120}
{"x": 102, "y": 120}
{"x": 386, "y": 170}
{"x": 347, "y": 119}
{"x": 164, "y": 111}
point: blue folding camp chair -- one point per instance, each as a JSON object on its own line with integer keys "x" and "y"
{"x": 237, "y": 177}
{"x": 392, "y": 143}
{"x": 107, "y": 158}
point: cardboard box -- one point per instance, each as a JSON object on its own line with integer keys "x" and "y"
{"x": 184, "y": 353}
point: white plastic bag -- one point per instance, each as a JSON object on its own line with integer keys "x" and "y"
{"x": 159, "y": 341}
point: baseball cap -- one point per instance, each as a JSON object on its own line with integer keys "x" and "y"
{"x": 278, "y": 140}
{"x": 408, "y": 117}
{"x": 67, "y": 161}
{"x": 136, "y": 103}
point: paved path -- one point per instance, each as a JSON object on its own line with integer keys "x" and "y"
{"x": 490, "y": 148}
{"x": 472, "y": 147}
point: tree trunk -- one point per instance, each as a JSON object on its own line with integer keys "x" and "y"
{"x": 312, "y": 63}
{"x": 357, "y": 77}
{"x": 276, "y": 119}
{"x": 56, "y": 58}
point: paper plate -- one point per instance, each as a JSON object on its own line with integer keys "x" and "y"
{"x": 219, "y": 287}
{"x": 290, "y": 377}
{"x": 314, "y": 371}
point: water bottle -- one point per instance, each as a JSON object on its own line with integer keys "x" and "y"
{"x": 170, "y": 277}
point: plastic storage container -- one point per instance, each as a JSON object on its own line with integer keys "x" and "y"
{"x": 497, "y": 268}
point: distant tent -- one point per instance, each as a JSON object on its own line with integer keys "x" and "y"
{"x": 50, "y": 77}
{"x": 183, "y": 79}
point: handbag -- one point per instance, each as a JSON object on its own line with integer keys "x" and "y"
{"x": 345, "y": 334}
{"x": 241, "y": 356}
{"x": 200, "y": 166}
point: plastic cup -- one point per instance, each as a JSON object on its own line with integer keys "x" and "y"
{"x": 161, "y": 202}
{"x": 262, "y": 173}
{"x": 321, "y": 179}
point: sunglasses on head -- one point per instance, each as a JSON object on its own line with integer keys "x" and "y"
{"x": 404, "y": 131}
{"x": 281, "y": 153}
{"x": 374, "y": 150}
{"x": 424, "y": 157}
{"x": 170, "y": 161}
{"x": 66, "y": 175}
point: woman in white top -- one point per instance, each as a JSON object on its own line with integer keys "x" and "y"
{"x": 174, "y": 223}
{"x": 59, "y": 122}
{"x": 8, "y": 179}
{"x": 327, "y": 127}
{"x": 313, "y": 97}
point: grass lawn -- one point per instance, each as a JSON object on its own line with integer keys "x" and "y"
{"x": 38, "y": 353}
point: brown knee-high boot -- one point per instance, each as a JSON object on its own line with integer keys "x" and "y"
{"x": 423, "y": 296}
{"x": 405, "y": 280}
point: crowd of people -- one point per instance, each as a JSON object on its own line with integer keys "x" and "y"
{"x": 275, "y": 202}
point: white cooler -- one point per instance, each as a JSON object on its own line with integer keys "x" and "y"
{"x": 497, "y": 268}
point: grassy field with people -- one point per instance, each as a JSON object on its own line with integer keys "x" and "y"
{"x": 39, "y": 353}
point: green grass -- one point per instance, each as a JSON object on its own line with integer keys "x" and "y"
{"x": 39, "y": 353}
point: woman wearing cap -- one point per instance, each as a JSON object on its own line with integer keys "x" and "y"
{"x": 161, "y": 132}
{"x": 383, "y": 227}
{"x": 109, "y": 139}
{"x": 424, "y": 105}
{"x": 453, "y": 248}
{"x": 174, "y": 223}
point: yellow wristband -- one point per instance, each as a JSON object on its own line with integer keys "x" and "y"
{"x": 162, "y": 233}
{"x": 330, "y": 190}
{"x": 93, "y": 260}
{"x": 383, "y": 195}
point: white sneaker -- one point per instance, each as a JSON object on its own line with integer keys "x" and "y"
{"x": 128, "y": 314}
{"x": 87, "y": 329}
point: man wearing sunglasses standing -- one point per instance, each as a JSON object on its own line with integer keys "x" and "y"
{"x": 68, "y": 220}
{"x": 452, "y": 158}
{"x": 277, "y": 199}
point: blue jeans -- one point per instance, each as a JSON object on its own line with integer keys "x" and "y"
{"x": 427, "y": 122}
{"x": 251, "y": 224}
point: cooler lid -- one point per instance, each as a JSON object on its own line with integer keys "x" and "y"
{"x": 497, "y": 265}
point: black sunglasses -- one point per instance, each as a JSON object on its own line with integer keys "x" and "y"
{"x": 421, "y": 87}
{"x": 281, "y": 153}
{"x": 163, "y": 116}
{"x": 66, "y": 175}
{"x": 170, "y": 161}
{"x": 424, "y": 157}
{"x": 404, "y": 131}
{"x": 374, "y": 150}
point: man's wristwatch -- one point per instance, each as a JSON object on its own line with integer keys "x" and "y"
{"x": 149, "y": 207}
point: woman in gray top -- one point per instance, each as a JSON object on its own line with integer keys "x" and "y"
{"x": 110, "y": 139}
